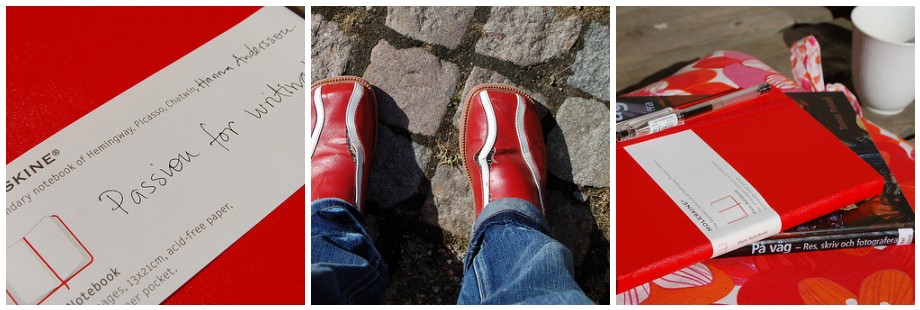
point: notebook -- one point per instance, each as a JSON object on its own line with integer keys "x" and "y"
{"x": 724, "y": 180}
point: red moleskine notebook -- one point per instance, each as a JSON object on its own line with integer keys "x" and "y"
{"x": 726, "y": 179}
{"x": 63, "y": 62}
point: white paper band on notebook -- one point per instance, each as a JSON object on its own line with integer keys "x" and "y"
{"x": 725, "y": 207}
{"x": 148, "y": 202}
